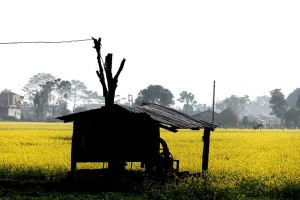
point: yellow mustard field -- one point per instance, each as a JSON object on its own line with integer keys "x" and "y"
{"x": 270, "y": 156}
{"x": 34, "y": 149}
{"x": 273, "y": 156}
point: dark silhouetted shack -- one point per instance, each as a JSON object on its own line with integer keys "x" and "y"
{"x": 120, "y": 133}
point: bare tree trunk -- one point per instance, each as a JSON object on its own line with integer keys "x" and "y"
{"x": 109, "y": 85}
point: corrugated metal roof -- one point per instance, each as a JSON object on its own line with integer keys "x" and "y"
{"x": 167, "y": 118}
{"x": 170, "y": 117}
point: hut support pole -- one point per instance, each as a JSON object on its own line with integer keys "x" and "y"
{"x": 206, "y": 139}
{"x": 74, "y": 149}
{"x": 73, "y": 169}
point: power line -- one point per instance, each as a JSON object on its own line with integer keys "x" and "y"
{"x": 49, "y": 42}
{"x": 46, "y": 42}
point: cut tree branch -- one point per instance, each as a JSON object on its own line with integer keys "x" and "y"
{"x": 100, "y": 72}
{"x": 109, "y": 89}
{"x": 120, "y": 69}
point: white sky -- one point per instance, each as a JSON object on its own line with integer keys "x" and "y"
{"x": 247, "y": 47}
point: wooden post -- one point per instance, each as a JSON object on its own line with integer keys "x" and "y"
{"x": 213, "y": 105}
{"x": 74, "y": 151}
{"x": 206, "y": 139}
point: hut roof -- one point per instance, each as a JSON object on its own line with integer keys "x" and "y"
{"x": 168, "y": 118}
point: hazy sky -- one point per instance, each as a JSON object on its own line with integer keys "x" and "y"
{"x": 247, "y": 47}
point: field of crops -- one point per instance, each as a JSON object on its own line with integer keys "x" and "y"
{"x": 256, "y": 160}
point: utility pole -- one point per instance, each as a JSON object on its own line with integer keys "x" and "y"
{"x": 213, "y": 105}
{"x": 206, "y": 138}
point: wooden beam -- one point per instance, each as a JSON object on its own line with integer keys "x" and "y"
{"x": 173, "y": 129}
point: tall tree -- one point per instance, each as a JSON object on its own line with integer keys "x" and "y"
{"x": 78, "y": 89}
{"x": 155, "y": 94}
{"x": 244, "y": 103}
{"x": 232, "y": 102}
{"x": 278, "y": 104}
{"x": 298, "y": 102}
{"x": 292, "y": 117}
{"x": 92, "y": 97}
{"x": 42, "y": 100}
{"x": 63, "y": 91}
{"x": 107, "y": 80}
{"x": 189, "y": 101}
{"x": 238, "y": 104}
{"x": 293, "y": 97}
{"x": 34, "y": 85}
{"x": 260, "y": 105}
{"x": 187, "y": 97}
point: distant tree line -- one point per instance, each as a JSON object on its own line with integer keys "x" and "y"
{"x": 47, "y": 97}
{"x": 234, "y": 110}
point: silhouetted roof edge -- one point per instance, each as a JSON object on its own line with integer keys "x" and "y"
{"x": 168, "y": 118}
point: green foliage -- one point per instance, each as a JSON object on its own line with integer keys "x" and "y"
{"x": 237, "y": 104}
{"x": 298, "y": 102}
{"x": 261, "y": 105}
{"x": 245, "y": 122}
{"x": 278, "y": 103}
{"x": 77, "y": 91}
{"x": 188, "y": 109}
{"x": 34, "y": 83}
{"x": 232, "y": 102}
{"x": 229, "y": 118}
{"x": 206, "y": 187}
{"x": 42, "y": 98}
{"x": 292, "y": 117}
{"x": 47, "y": 96}
{"x": 155, "y": 94}
{"x": 293, "y": 97}
{"x": 189, "y": 101}
{"x": 187, "y": 97}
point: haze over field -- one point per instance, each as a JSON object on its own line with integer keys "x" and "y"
{"x": 247, "y": 47}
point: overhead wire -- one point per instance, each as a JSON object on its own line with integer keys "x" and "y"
{"x": 50, "y": 42}
{"x": 46, "y": 42}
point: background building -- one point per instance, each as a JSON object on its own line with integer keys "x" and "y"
{"x": 10, "y": 105}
